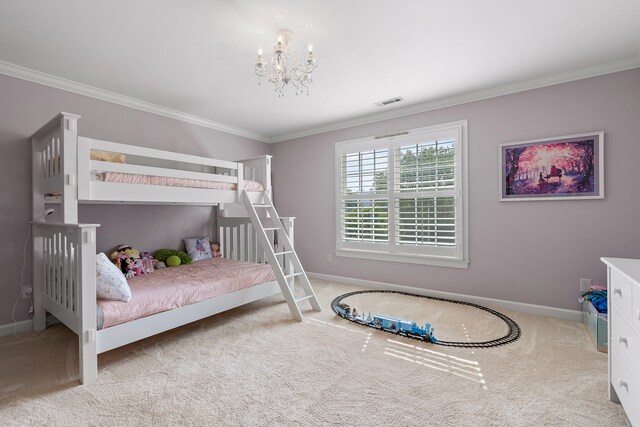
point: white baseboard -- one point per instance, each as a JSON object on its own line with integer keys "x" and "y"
{"x": 541, "y": 310}
{"x": 16, "y": 328}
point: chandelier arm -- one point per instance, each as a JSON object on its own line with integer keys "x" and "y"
{"x": 286, "y": 68}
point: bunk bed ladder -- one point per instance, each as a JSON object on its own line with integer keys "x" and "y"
{"x": 262, "y": 224}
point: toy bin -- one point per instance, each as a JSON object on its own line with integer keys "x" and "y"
{"x": 596, "y": 324}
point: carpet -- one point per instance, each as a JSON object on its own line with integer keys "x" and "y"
{"x": 255, "y": 366}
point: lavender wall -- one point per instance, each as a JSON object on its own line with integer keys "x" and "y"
{"x": 531, "y": 252}
{"x": 25, "y": 106}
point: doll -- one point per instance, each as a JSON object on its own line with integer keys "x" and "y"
{"x": 134, "y": 267}
{"x": 215, "y": 250}
{"x": 147, "y": 261}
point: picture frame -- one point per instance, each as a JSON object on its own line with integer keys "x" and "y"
{"x": 568, "y": 167}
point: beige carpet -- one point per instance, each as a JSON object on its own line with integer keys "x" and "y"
{"x": 254, "y": 366}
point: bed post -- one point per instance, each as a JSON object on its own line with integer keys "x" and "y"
{"x": 267, "y": 176}
{"x": 240, "y": 185}
{"x": 87, "y": 302}
{"x": 37, "y": 193}
{"x": 70, "y": 168}
{"x": 39, "y": 313}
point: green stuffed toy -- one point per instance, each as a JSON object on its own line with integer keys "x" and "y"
{"x": 173, "y": 261}
{"x": 162, "y": 255}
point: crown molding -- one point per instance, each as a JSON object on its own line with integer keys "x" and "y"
{"x": 34, "y": 76}
{"x": 31, "y": 75}
{"x": 450, "y": 101}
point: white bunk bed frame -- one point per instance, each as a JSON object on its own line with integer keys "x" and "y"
{"x": 64, "y": 253}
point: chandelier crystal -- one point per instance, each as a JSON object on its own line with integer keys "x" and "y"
{"x": 287, "y": 68}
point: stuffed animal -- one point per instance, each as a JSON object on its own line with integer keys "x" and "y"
{"x": 134, "y": 267}
{"x": 215, "y": 250}
{"x": 173, "y": 261}
{"x": 147, "y": 262}
{"x": 121, "y": 262}
{"x": 163, "y": 254}
{"x": 125, "y": 250}
{"x": 130, "y": 272}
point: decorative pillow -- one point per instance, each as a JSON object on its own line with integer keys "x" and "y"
{"x": 198, "y": 247}
{"x": 110, "y": 282}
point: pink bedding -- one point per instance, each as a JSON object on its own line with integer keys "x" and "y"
{"x": 131, "y": 178}
{"x": 175, "y": 287}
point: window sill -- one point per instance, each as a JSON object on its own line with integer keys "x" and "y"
{"x": 406, "y": 258}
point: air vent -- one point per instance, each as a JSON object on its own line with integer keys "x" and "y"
{"x": 389, "y": 101}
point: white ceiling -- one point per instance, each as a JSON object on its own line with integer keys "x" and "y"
{"x": 197, "y": 56}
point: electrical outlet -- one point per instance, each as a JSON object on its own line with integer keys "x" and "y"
{"x": 585, "y": 285}
{"x": 329, "y": 258}
{"x": 27, "y": 292}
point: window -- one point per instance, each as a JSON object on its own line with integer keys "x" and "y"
{"x": 403, "y": 197}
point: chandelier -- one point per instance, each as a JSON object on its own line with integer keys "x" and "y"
{"x": 286, "y": 68}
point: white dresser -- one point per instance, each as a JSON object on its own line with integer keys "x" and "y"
{"x": 623, "y": 276}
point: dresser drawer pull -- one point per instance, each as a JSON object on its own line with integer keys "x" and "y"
{"x": 617, "y": 291}
{"x": 623, "y": 383}
{"x": 622, "y": 339}
{"x": 638, "y": 313}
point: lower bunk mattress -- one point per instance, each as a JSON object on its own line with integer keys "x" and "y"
{"x": 175, "y": 287}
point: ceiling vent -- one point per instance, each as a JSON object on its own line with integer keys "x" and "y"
{"x": 389, "y": 101}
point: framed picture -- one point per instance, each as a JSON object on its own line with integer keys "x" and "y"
{"x": 567, "y": 167}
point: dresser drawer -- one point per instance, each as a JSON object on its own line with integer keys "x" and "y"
{"x": 620, "y": 292}
{"x": 636, "y": 307}
{"x": 626, "y": 386}
{"x": 626, "y": 340}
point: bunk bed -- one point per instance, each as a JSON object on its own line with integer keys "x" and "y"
{"x": 68, "y": 170}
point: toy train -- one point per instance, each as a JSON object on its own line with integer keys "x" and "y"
{"x": 386, "y": 323}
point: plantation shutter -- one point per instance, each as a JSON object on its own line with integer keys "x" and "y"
{"x": 364, "y": 201}
{"x": 424, "y": 201}
{"x": 400, "y": 198}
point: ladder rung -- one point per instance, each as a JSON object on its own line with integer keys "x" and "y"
{"x": 272, "y": 228}
{"x": 304, "y": 298}
{"x": 262, "y": 206}
{"x": 282, "y": 253}
{"x": 288, "y": 276}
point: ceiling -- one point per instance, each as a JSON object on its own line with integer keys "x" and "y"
{"x": 194, "y": 59}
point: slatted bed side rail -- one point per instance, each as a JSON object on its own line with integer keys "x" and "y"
{"x": 64, "y": 284}
{"x": 258, "y": 169}
{"x": 54, "y": 165}
{"x": 139, "y": 160}
{"x": 238, "y": 240}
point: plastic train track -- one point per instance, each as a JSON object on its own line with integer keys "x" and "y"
{"x": 513, "y": 332}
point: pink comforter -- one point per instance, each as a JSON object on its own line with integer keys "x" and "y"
{"x": 131, "y": 178}
{"x": 175, "y": 287}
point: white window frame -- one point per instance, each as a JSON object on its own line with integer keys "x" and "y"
{"x": 458, "y": 256}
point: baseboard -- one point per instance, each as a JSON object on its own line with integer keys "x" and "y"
{"x": 541, "y": 310}
{"x": 16, "y": 328}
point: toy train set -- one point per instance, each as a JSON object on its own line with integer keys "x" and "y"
{"x": 386, "y": 323}
{"x": 412, "y": 330}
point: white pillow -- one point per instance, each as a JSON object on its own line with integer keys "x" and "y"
{"x": 110, "y": 282}
{"x": 198, "y": 247}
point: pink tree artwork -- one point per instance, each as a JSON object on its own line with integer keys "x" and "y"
{"x": 566, "y": 168}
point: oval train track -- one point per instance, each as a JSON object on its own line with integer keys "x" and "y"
{"x": 513, "y": 332}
